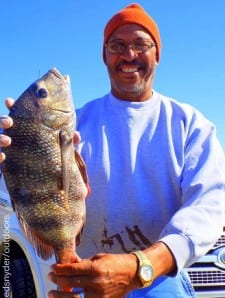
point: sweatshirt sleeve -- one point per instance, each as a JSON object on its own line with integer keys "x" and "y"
{"x": 198, "y": 224}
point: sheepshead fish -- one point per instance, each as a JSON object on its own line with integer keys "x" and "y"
{"x": 45, "y": 176}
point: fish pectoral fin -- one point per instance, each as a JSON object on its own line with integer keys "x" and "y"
{"x": 82, "y": 167}
{"x": 44, "y": 250}
{"x": 66, "y": 145}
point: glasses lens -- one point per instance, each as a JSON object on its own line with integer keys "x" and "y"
{"x": 119, "y": 47}
{"x": 142, "y": 47}
{"x": 115, "y": 47}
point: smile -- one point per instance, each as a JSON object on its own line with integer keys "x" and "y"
{"x": 132, "y": 67}
{"x": 129, "y": 69}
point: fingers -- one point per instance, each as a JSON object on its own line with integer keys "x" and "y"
{"x": 66, "y": 281}
{"x": 4, "y": 142}
{"x": 2, "y": 157}
{"x": 9, "y": 102}
{"x": 58, "y": 294}
{"x": 5, "y": 122}
{"x": 70, "y": 276}
{"x": 77, "y": 268}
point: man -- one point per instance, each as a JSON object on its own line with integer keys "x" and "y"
{"x": 157, "y": 175}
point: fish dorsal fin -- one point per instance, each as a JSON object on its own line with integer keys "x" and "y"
{"x": 82, "y": 167}
{"x": 44, "y": 250}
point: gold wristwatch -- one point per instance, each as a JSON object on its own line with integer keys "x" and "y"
{"x": 145, "y": 269}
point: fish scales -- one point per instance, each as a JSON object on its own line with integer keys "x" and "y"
{"x": 46, "y": 178}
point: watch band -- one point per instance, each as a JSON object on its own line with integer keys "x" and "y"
{"x": 145, "y": 269}
{"x": 141, "y": 256}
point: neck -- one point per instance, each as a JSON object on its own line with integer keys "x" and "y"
{"x": 133, "y": 96}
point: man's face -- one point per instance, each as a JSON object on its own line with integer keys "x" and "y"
{"x": 131, "y": 72}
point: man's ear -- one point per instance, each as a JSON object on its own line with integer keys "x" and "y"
{"x": 104, "y": 55}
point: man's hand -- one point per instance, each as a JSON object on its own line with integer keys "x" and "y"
{"x": 5, "y": 122}
{"x": 109, "y": 275}
{"x": 103, "y": 276}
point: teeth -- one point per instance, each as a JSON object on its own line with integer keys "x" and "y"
{"x": 130, "y": 69}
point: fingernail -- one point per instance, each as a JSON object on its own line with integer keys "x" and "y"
{"x": 4, "y": 118}
{"x": 5, "y": 121}
{"x": 5, "y": 140}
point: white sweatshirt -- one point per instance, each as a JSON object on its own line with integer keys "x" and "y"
{"x": 156, "y": 171}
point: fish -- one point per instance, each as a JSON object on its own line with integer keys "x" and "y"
{"x": 45, "y": 176}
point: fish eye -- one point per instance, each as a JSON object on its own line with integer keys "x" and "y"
{"x": 43, "y": 93}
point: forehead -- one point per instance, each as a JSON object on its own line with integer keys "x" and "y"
{"x": 131, "y": 31}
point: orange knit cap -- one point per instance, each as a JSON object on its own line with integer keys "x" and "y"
{"x": 135, "y": 14}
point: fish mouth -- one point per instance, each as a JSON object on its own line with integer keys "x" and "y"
{"x": 61, "y": 110}
{"x": 57, "y": 74}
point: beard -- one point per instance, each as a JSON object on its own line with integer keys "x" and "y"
{"x": 130, "y": 92}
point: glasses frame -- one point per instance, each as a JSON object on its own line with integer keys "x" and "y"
{"x": 131, "y": 45}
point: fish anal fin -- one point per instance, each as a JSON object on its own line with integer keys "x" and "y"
{"x": 78, "y": 237}
{"x": 44, "y": 250}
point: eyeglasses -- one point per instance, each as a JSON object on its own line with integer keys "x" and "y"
{"x": 119, "y": 47}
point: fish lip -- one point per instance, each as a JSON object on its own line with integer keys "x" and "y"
{"x": 62, "y": 111}
{"x": 57, "y": 73}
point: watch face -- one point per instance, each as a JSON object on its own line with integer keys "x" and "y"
{"x": 146, "y": 273}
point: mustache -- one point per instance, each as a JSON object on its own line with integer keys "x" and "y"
{"x": 131, "y": 63}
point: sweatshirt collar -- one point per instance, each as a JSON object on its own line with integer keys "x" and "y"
{"x": 147, "y": 104}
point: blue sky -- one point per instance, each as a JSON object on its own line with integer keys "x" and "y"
{"x": 38, "y": 35}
